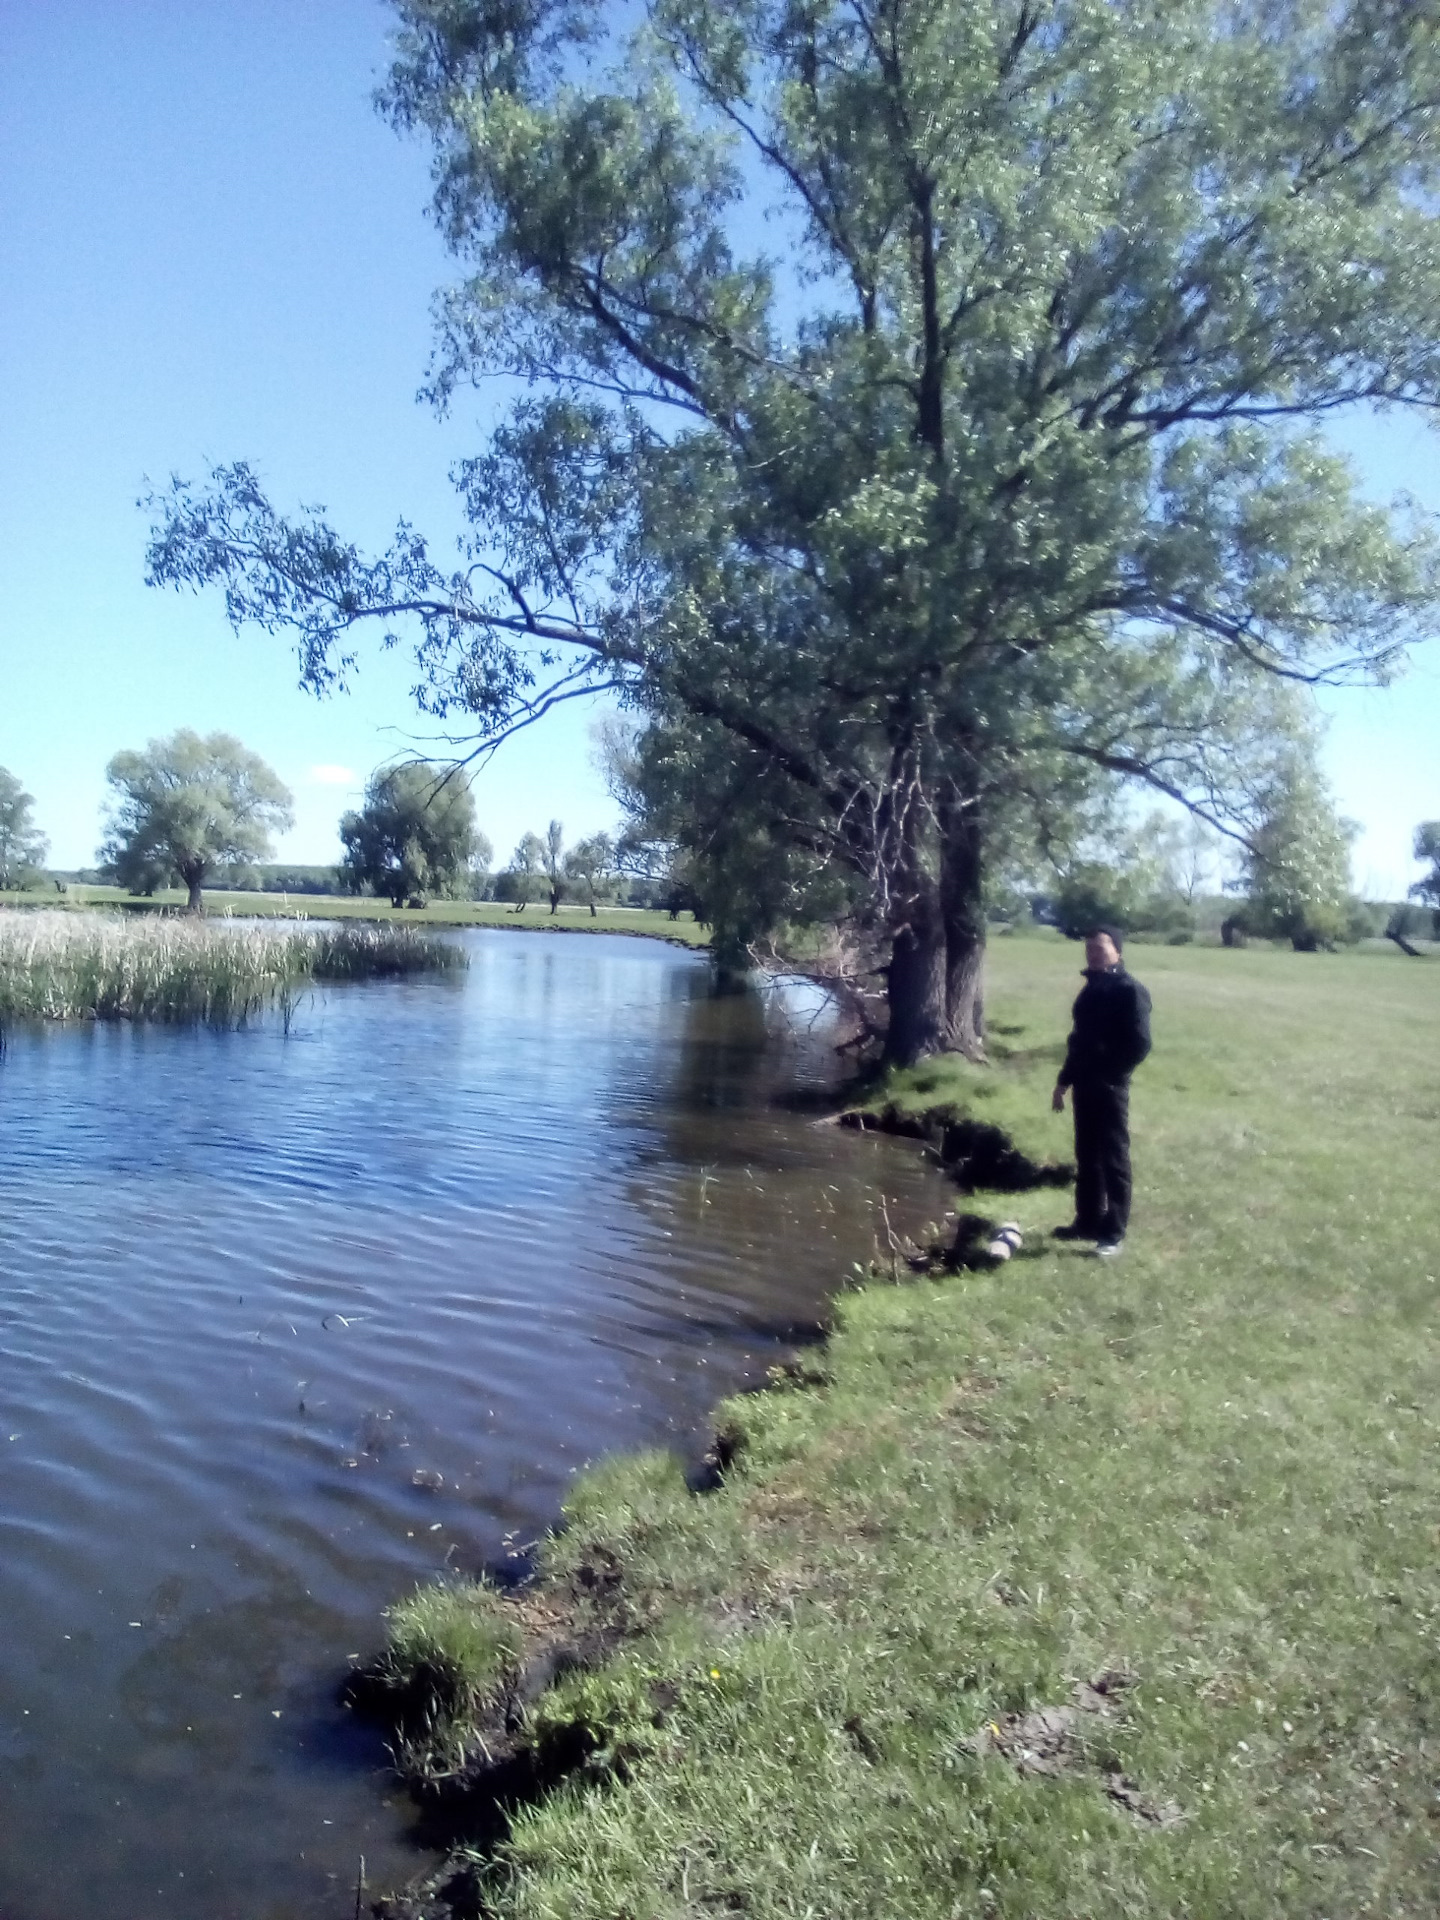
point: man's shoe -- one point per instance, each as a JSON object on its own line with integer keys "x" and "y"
{"x": 1074, "y": 1232}
{"x": 1109, "y": 1249}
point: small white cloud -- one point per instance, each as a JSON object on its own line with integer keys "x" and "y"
{"x": 327, "y": 776}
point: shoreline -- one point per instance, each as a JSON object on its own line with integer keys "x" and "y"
{"x": 68, "y": 968}
{"x": 346, "y": 907}
{"x": 480, "y": 1733}
{"x": 991, "y": 1605}
{"x": 162, "y": 966}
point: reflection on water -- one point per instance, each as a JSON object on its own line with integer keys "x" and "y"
{"x": 287, "y": 1323}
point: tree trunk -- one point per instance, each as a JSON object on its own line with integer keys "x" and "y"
{"x": 192, "y": 879}
{"x": 592, "y": 909}
{"x": 962, "y": 907}
{"x": 938, "y": 954}
{"x": 930, "y": 419}
{"x": 964, "y": 994}
{"x": 915, "y": 987}
{"x": 1404, "y": 945}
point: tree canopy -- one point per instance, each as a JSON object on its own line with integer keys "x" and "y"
{"x": 552, "y": 859}
{"x": 1427, "y": 847}
{"x": 188, "y": 806}
{"x": 522, "y": 879}
{"x": 1298, "y": 875}
{"x": 415, "y": 834}
{"x": 590, "y": 869}
{"x": 1000, "y": 471}
{"x": 22, "y": 846}
{"x": 1138, "y": 876}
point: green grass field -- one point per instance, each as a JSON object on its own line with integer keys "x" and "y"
{"x": 439, "y": 913}
{"x": 1210, "y": 1467}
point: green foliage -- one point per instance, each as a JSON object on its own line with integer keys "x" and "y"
{"x": 1404, "y": 920}
{"x": 522, "y": 880}
{"x": 704, "y": 808}
{"x": 590, "y": 870}
{"x": 651, "y": 863}
{"x": 1364, "y": 919}
{"x": 552, "y": 863}
{"x": 1140, "y": 877}
{"x": 1000, "y": 459}
{"x": 415, "y": 834}
{"x": 271, "y": 878}
{"x": 1298, "y": 877}
{"x": 187, "y": 807}
{"x": 1427, "y": 847}
{"x": 22, "y": 846}
{"x": 1094, "y": 895}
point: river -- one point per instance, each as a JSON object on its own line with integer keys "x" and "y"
{"x": 260, "y": 1291}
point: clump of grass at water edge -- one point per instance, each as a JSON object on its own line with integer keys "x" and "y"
{"x": 452, "y": 1648}
{"x": 64, "y": 966}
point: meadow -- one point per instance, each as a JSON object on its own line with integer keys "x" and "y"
{"x": 106, "y": 966}
{"x": 536, "y": 918}
{"x": 1063, "y": 1588}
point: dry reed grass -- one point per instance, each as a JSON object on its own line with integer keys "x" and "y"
{"x": 68, "y": 966}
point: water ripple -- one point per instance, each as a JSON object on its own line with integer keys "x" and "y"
{"x": 251, "y": 1285}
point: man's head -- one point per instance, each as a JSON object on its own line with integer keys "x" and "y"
{"x": 1102, "y": 948}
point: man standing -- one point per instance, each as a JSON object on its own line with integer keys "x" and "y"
{"x": 1109, "y": 1038}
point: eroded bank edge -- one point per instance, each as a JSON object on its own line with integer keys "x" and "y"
{"x": 468, "y": 1687}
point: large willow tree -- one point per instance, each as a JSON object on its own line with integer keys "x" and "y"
{"x": 918, "y": 397}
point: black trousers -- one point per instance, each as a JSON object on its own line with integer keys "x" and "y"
{"x": 1102, "y": 1157}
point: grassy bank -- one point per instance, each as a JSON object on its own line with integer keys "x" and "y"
{"x": 94, "y": 966}
{"x": 439, "y": 913}
{"x": 853, "y": 1680}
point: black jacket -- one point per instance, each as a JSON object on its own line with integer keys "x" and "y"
{"x": 1111, "y": 1031}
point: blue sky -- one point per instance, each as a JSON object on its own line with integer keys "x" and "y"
{"x": 211, "y": 247}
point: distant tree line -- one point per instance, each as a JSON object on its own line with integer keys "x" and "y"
{"x": 196, "y": 810}
{"x": 275, "y": 877}
{"x": 586, "y": 874}
{"x": 1171, "y": 879}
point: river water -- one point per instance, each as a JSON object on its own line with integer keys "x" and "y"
{"x": 253, "y": 1285}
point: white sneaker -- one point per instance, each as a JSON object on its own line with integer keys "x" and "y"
{"x": 1109, "y": 1249}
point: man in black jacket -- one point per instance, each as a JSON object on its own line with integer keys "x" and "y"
{"x": 1108, "y": 1040}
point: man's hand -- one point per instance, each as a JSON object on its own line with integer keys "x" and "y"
{"x": 1057, "y": 1099}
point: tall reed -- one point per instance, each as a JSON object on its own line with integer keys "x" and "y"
{"x": 351, "y": 952}
{"x": 91, "y": 966}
